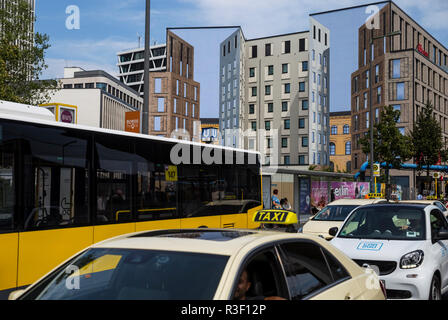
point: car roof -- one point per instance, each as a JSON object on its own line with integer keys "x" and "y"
{"x": 419, "y": 201}
{"x": 211, "y": 241}
{"x": 396, "y": 204}
{"x": 355, "y": 202}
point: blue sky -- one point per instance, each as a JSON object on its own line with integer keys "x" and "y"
{"x": 107, "y": 27}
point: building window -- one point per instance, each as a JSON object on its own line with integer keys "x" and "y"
{"x": 397, "y": 107}
{"x": 157, "y": 123}
{"x": 396, "y": 67}
{"x": 251, "y": 72}
{"x": 346, "y": 129}
{"x": 305, "y": 104}
{"x": 305, "y": 142}
{"x": 365, "y": 100}
{"x": 367, "y": 79}
{"x": 269, "y": 143}
{"x": 284, "y": 142}
{"x": 267, "y": 90}
{"x": 332, "y": 149}
{"x": 378, "y": 95}
{"x": 400, "y": 91}
{"x": 349, "y": 166}
{"x": 287, "y": 160}
{"x": 313, "y": 54}
{"x": 348, "y": 148}
{"x": 270, "y": 70}
{"x": 268, "y": 49}
{"x": 254, "y": 125}
{"x": 301, "y": 45}
{"x": 160, "y": 104}
{"x": 334, "y": 130}
{"x": 254, "y": 51}
{"x": 301, "y": 86}
{"x": 287, "y": 124}
{"x": 267, "y": 125}
{"x": 157, "y": 85}
{"x": 287, "y": 88}
{"x": 367, "y": 119}
{"x": 68, "y": 86}
{"x": 305, "y": 66}
{"x": 302, "y": 160}
{"x": 402, "y": 131}
{"x": 284, "y": 106}
{"x": 287, "y": 46}
{"x": 284, "y": 68}
{"x": 251, "y": 109}
{"x": 254, "y": 91}
{"x": 270, "y": 107}
{"x": 301, "y": 123}
{"x": 377, "y": 73}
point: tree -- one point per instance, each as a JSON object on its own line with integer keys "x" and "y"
{"x": 22, "y": 56}
{"x": 427, "y": 140}
{"x": 389, "y": 145}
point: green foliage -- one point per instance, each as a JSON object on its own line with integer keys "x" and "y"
{"x": 427, "y": 140}
{"x": 389, "y": 144}
{"x": 312, "y": 167}
{"x": 22, "y": 57}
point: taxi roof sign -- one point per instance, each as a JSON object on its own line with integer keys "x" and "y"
{"x": 376, "y": 196}
{"x": 275, "y": 217}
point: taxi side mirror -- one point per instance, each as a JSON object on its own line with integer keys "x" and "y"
{"x": 333, "y": 231}
{"x": 442, "y": 235}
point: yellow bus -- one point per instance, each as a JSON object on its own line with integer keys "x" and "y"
{"x": 64, "y": 187}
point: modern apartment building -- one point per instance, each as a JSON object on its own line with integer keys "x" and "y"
{"x": 174, "y": 108}
{"x": 340, "y": 141}
{"x": 131, "y": 65}
{"x": 96, "y": 98}
{"x": 403, "y": 66}
{"x": 274, "y": 95}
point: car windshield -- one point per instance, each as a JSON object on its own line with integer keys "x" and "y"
{"x": 389, "y": 223}
{"x": 334, "y": 213}
{"x": 124, "y": 274}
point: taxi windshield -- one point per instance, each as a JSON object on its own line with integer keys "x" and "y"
{"x": 388, "y": 223}
{"x": 125, "y": 274}
{"x": 334, "y": 213}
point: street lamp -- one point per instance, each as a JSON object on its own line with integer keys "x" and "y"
{"x": 145, "y": 111}
{"x": 371, "y": 120}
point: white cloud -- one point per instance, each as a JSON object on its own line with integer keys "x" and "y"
{"x": 56, "y": 67}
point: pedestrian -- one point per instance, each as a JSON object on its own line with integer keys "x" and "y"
{"x": 275, "y": 200}
{"x": 285, "y": 204}
{"x": 332, "y": 195}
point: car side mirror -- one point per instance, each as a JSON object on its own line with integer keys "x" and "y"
{"x": 333, "y": 231}
{"x": 15, "y": 294}
{"x": 442, "y": 235}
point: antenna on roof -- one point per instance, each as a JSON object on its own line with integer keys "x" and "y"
{"x": 139, "y": 39}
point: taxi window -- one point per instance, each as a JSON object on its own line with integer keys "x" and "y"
{"x": 306, "y": 269}
{"x": 128, "y": 274}
{"x": 334, "y": 213}
{"x": 438, "y": 221}
{"x": 440, "y": 206}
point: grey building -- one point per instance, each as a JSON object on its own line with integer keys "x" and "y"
{"x": 274, "y": 95}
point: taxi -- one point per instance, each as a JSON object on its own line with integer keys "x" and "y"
{"x": 277, "y": 220}
{"x": 206, "y": 264}
{"x": 435, "y": 202}
{"x": 333, "y": 215}
{"x": 407, "y": 245}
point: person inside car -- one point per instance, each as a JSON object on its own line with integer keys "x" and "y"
{"x": 243, "y": 287}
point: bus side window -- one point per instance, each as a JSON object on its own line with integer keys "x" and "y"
{"x": 113, "y": 173}
{"x": 55, "y": 176}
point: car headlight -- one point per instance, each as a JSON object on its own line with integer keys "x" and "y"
{"x": 412, "y": 260}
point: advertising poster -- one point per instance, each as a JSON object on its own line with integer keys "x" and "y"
{"x": 350, "y": 190}
{"x": 319, "y": 194}
{"x": 304, "y": 196}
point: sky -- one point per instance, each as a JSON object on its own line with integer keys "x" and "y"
{"x": 107, "y": 27}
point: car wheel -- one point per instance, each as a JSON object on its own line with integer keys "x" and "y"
{"x": 435, "y": 292}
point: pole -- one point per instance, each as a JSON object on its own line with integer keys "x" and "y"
{"x": 145, "y": 111}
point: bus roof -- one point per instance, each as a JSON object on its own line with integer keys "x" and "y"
{"x": 31, "y": 114}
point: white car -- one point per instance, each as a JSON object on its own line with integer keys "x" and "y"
{"x": 406, "y": 243}
{"x": 437, "y": 203}
{"x": 205, "y": 264}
